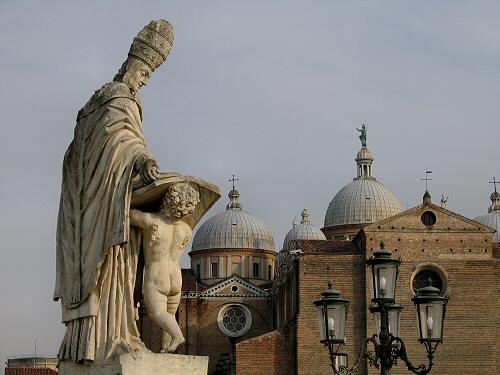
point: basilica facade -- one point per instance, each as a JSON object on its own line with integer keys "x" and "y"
{"x": 250, "y": 307}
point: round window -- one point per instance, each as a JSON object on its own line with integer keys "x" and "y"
{"x": 234, "y": 320}
{"x": 428, "y": 218}
{"x": 234, "y": 288}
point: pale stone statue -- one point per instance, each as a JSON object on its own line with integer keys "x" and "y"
{"x": 106, "y": 168}
{"x": 165, "y": 238}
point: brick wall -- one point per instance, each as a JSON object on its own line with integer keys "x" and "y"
{"x": 270, "y": 354}
{"x": 347, "y": 272}
{"x": 198, "y": 322}
{"x": 463, "y": 253}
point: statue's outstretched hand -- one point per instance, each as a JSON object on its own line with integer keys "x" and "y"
{"x": 149, "y": 171}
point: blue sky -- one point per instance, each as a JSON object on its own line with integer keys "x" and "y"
{"x": 269, "y": 90}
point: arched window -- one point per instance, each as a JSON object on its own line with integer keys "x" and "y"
{"x": 429, "y": 274}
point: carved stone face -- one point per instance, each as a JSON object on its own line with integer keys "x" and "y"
{"x": 137, "y": 74}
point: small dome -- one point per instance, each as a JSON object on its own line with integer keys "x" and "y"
{"x": 233, "y": 229}
{"x": 364, "y": 154}
{"x": 303, "y": 231}
{"x": 492, "y": 218}
{"x": 365, "y": 200}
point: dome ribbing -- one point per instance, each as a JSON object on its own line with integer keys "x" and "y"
{"x": 365, "y": 200}
{"x": 233, "y": 229}
{"x": 303, "y": 231}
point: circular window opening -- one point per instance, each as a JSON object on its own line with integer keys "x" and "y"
{"x": 234, "y": 288}
{"x": 234, "y": 320}
{"x": 429, "y": 275}
{"x": 428, "y": 218}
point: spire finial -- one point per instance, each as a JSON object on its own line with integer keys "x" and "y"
{"x": 233, "y": 180}
{"x": 362, "y": 135}
{"x": 426, "y": 179}
{"x": 494, "y": 182}
{"x": 305, "y": 216}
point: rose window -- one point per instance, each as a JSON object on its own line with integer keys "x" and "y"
{"x": 234, "y": 320}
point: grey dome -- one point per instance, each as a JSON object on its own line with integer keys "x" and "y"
{"x": 492, "y": 218}
{"x": 233, "y": 229}
{"x": 303, "y": 231}
{"x": 365, "y": 200}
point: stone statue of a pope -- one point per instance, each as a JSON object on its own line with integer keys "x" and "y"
{"x": 97, "y": 248}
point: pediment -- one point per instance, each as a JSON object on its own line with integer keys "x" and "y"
{"x": 234, "y": 287}
{"x": 446, "y": 220}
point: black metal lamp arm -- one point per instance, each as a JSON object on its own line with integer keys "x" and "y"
{"x": 399, "y": 351}
{"x": 364, "y": 353}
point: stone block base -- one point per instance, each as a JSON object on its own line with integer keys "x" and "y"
{"x": 141, "y": 363}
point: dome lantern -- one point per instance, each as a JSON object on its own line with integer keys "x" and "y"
{"x": 305, "y": 217}
{"x": 233, "y": 195}
{"x": 364, "y": 161}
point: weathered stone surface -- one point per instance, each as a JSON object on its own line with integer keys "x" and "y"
{"x": 141, "y": 363}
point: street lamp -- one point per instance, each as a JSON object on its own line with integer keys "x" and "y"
{"x": 332, "y": 312}
{"x": 431, "y": 308}
{"x": 384, "y": 272}
{"x": 388, "y": 346}
{"x": 394, "y": 312}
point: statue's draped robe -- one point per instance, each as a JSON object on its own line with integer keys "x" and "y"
{"x": 97, "y": 251}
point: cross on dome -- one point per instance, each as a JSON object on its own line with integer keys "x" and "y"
{"x": 233, "y": 179}
{"x": 494, "y": 182}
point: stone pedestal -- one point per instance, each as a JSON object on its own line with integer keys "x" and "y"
{"x": 141, "y": 363}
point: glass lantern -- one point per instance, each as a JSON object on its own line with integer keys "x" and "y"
{"x": 332, "y": 311}
{"x": 383, "y": 275}
{"x": 431, "y": 309}
{"x": 340, "y": 361}
{"x": 394, "y": 312}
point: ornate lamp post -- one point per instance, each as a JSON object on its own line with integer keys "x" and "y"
{"x": 388, "y": 346}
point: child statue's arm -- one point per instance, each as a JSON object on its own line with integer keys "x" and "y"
{"x": 139, "y": 219}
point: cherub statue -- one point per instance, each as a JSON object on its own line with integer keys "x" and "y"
{"x": 165, "y": 236}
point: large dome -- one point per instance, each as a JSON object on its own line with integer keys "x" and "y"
{"x": 362, "y": 201}
{"x": 492, "y": 218}
{"x": 233, "y": 229}
{"x": 365, "y": 200}
{"x": 303, "y": 231}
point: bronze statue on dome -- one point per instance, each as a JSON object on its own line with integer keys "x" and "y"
{"x": 362, "y": 136}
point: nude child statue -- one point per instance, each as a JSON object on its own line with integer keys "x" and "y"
{"x": 165, "y": 236}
